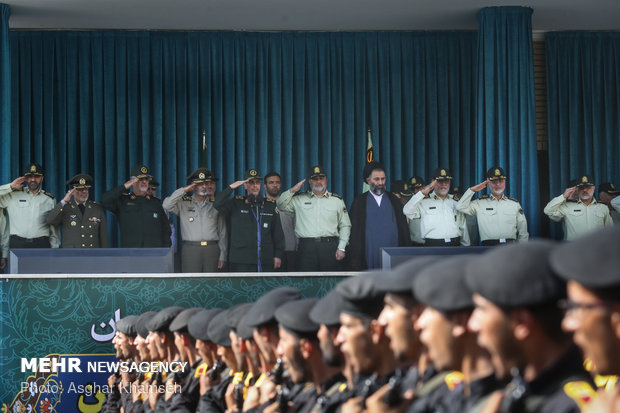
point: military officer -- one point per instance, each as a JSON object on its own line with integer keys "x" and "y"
{"x": 584, "y": 215}
{"x": 142, "y": 220}
{"x": 205, "y": 240}
{"x": 83, "y": 221}
{"x": 609, "y": 195}
{"x": 28, "y": 208}
{"x": 256, "y": 237}
{"x": 322, "y": 223}
{"x": 440, "y": 222}
{"x": 415, "y": 184}
{"x": 273, "y": 185}
{"x": 401, "y": 190}
{"x": 500, "y": 218}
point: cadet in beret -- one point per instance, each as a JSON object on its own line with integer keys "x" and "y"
{"x": 590, "y": 265}
{"x": 256, "y": 237}
{"x": 377, "y": 221}
{"x": 28, "y": 208}
{"x": 440, "y": 222}
{"x": 83, "y": 221}
{"x": 518, "y": 322}
{"x": 142, "y": 220}
{"x": 205, "y": 240}
{"x": 608, "y": 195}
{"x": 500, "y": 218}
{"x": 583, "y": 216}
{"x": 321, "y": 223}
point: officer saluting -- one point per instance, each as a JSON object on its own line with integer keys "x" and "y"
{"x": 500, "y": 218}
{"x": 83, "y": 221}
{"x": 256, "y": 237}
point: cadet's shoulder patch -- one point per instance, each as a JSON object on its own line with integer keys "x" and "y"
{"x": 48, "y": 194}
{"x": 485, "y": 196}
{"x": 239, "y": 197}
{"x": 201, "y": 370}
{"x": 513, "y": 199}
{"x": 187, "y": 198}
{"x": 342, "y": 387}
{"x": 605, "y": 382}
{"x": 453, "y": 379}
{"x": 580, "y": 391}
{"x": 336, "y": 196}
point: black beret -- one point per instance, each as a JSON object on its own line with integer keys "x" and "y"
{"x": 593, "y": 261}
{"x": 163, "y": 318}
{"x": 371, "y": 166}
{"x": 265, "y": 307}
{"x": 236, "y": 313}
{"x": 199, "y": 322}
{"x": 127, "y": 325}
{"x": 517, "y": 275}
{"x": 142, "y": 321}
{"x": 294, "y": 316}
{"x": 180, "y": 321}
{"x": 218, "y": 330}
{"x": 400, "y": 278}
{"x": 360, "y": 298}
{"x": 244, "y": 331}
{"x": 442, "y": 285}
{"x": 327, "y": 309}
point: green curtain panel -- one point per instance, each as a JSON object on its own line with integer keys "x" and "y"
{"x": 506, "y": 106}
{"x": 583, "y": 104}
{"x": 5, "y": 82}
{"x": 101, "y": 101}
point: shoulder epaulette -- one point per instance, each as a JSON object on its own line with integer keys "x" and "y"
{"x": 456, "y": 197}
{"x": 570, "y": 200}
{"x": 427, "y": 196}
{"x": 48, "y": 194}
{"x": 300, "y": 193}
{"x": 453, "y": 379}
{"x": 485, "y": 196}
{"x": 270, "y": 200}
{"x": 580, "y": 391}
{"x": 513, "y": 199}
{"x": 239, "y": 197}
{"x": 187, "y": 198}
{"x": 336, "y": 195}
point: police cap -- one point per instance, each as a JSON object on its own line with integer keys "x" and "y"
{"x": 163, "y": 318}
{"x": 141, "y": 171}
{"x": 494, "y": 173}
{"x": 317, "y": 170}
{"x": 400, "y": 278}
{"x": 80, "y": 181}
{"x": 179, "y": 324}
{"x": 201, "y": 175}
{"x": 609, "y": 188}
{"x": 127, "y": 325}
{"x": 441, "y": 174}
{"x": 327, "y": 309}
{"x": 294, "y": 316}
{"x": 515, "y": 276}
{"x": 360, "y": 297}
{"x": 142, "y": 321}
{"x": 264, "y": 308}
{"x": 33, "y": 169}
{"x": 218, "y": 330}
{"x": 199, "y": 322}
{"x": 442, "y": 285}
{"x": 401, "y": 187}
{"x": 585, "y": 180}
{"x": 592, "y": 261}
{"x": 416, "y": 182}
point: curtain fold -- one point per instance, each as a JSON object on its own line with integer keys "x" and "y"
{"x": 505, "y": 105}
{"x": 583, "y": 104}
{"x": 5, "y": 89}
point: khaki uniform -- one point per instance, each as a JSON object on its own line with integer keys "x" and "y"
{"x": 88, "y": 230}
{"x": 578, "y": 218}
{"x": 4, "y": 234}
{"x": 203, "y": 230}
{"x": 28, "y": 213}
{"x": 501, "y": 219}
{"x": 415, "y": 231}
{"x": 615, "y": 203}
{"x": 439, "y": 218}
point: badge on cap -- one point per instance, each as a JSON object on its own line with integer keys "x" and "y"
{"x": 252, "y": 172}
{"x": 497, "y": 172}
{"x": 33, "y": 168}
{"x": 317, "y": 170}
{"x": 612, "y": 186}
{"x": 584, "y": 179}
{"x": 82, "y": 181}
{"x": 143, "y": 169}
{"x": 414, "y": 181}
{"x": 443, "y": 172}
{"x": 405, "y": 187}
{"x": 201, "y": 175}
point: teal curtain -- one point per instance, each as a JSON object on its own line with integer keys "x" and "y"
{"x": 5, "y": 83}
{"x": 505, "y": 105}
{"x": 99, "y": 102}
{"x": 583, "y": 105}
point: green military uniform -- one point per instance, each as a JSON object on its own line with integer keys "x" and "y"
{"x": 322, "y": 225}
{"x": 205, "y": 239}
{"x": 82, "y": 227}
{"x": 28, "y": 215}
{"x": 253, "y": 227}
{"x": 142, "y": 220}
{"x": 578, "y": 218}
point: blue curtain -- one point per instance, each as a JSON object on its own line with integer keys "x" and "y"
{"x": 583, "y": 101}
{"x": 505, "y": 105}
{"x": 5, "y": 81}
{"x": 99, "y": 102}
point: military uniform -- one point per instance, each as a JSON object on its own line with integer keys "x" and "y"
{"x": 254, "y": 227}
{"x": 142, "y": 220}
{"x": 499, "y": 220}
{"x": 578, "y": 218}
{"x": 28, "y": 215}
{"x": 82, "y": 227}
{"x": 205, "y": 239}
{"x": 4, "y": 234}
{"x": 322, "y": 225}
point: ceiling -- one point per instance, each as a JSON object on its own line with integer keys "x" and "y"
{"x": 303, "y": 15}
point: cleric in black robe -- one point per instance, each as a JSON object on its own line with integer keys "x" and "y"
{"x": 377, "y": 221}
